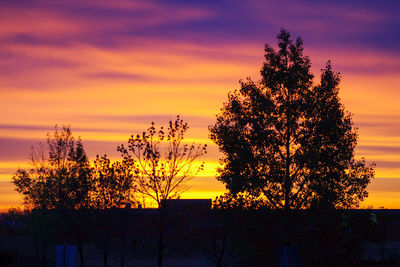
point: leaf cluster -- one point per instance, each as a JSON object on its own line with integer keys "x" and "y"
{"x": 60, "y": 176}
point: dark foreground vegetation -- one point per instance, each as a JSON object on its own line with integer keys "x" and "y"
{"x": 199, "y": 236}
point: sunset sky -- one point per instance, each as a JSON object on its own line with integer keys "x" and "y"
{"x": 109, "y": 68}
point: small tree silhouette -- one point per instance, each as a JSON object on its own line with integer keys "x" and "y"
{"x": 113, "y": 189}
{"x": 59, "y": 180}
{"x": 163, "y": 165}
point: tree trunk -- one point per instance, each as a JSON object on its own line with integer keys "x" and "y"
{"x": 287, "y": 183}
{"x": 161, "y": 236}
{"x": 122, "y": 257}
{"x": 44, "y": 246}
{"x": 81, "y": 254}
{"x": 105, "y": 255}
{"x": 37, "y": 251}
{"x": 160, "y": 249}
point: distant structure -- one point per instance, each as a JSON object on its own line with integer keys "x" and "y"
{"x": 195, "y": 211}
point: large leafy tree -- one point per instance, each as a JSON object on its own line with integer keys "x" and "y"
{"x": 270, "y": 132}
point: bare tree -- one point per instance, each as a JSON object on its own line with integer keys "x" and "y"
{"x": 163, "y": 165}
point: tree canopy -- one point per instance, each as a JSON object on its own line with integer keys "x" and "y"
{"x": 288, "y": 140}
{"x": 113, "y": 183}
{"x": 162, "y": 161}
{"x": 60, "y": 174}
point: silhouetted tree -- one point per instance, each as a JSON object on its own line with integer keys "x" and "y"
{"x": 113, "y": 183}
{"x": 240, "y": 201}
{"x": 59, "y": 179}
{"x": 276, "y": 134}
{"x": 113, "y": 187}
{"x": 163, "y": 163}
{"x": 60, "y": 174}
{"x": 336, "y": 178}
